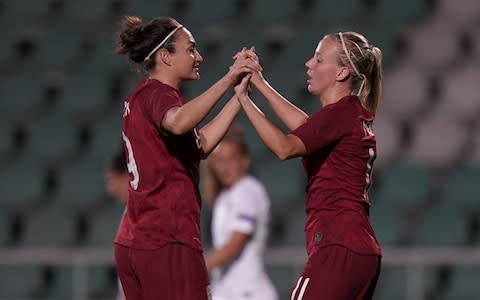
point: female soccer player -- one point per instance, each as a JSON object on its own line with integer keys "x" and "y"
{"x": 239, "y": 225}
{"x": 338, "y": 148}
{"x": 158, "y": 250}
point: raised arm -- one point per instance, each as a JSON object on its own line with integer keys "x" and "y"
{"x": 215, "y": 130}
{"x": 284, "y": 146}
{"x": 287, "y": 112}
{"x": 181, "y": 119}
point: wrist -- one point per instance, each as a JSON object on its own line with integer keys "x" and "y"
{"x": 230, "y": 79}
{"x": 243, "y": 98}
{"x": 258, "y": 80}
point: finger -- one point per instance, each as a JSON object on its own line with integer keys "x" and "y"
{"x": 239, "y": 53}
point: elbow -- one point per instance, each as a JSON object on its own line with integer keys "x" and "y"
{"x": 177, "y": 128}
{"x": 282, "y": 155}
{"x": 284, "y": 151}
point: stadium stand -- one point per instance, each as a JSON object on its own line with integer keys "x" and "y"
{"x": 62, "y": 90}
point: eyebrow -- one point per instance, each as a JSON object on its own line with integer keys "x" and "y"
{"x": 192, "y": 43}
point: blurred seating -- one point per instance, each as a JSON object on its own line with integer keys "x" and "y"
{"x": 6, "y": 137}
{"x": 81, "y": 186}
{"x": 284, "y": 279}
{"x": 460, "y": 13}
{"x": 427, "y": 50}
{"x": 21, "y": 185}
{"x": 464, "y": 284}
{"x": 50, "y": 227}
{"x": 19, "y": 282}
{"x": 295, "y": 224}
{"x": 21, "y": 93}
{"x": 402, "y": 187}
{"x": 405, "y": 93}
{"x": 388, "y": 226}
{"x": 62, "y": 82}
{"x": 442, "y": 227}
{"x": 392, "y": 284}
{"x": 52, "y": 139}
{"x": 5, "y": 228}
{"x": 461, "y": 190}
{"x": 430, "y": 145}
{"x": 387, "y": 133}
{"x": 275, "y": 174}
{"x": 460, "y": 97}
{"x": 104, "y": 225}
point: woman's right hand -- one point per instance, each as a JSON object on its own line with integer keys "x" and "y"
{"x": 257, "y": 76}
{"x": 244, "y": 63}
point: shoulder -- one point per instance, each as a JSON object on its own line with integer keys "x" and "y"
{"x": 346, "y": 105}
{"x": 339, "y": 112}
{"x": 249, "y": 183}
{"x": 252, "y": 187}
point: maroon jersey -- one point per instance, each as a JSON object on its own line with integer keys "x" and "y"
{"x": 164, "y": 199}
{"x": 341, "y": 148}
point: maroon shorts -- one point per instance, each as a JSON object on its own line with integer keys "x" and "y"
{"x": 337, "y": 273}
{"x": 173, "y": 272}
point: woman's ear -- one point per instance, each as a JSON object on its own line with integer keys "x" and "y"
{"x": 342, "y": 74}
{"x": 164, "y": 56}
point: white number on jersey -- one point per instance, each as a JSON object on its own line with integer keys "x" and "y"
{"x": 131, "y": 165}
{"x": 367, "y": 128}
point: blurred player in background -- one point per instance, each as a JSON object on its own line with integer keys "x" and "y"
{"x": 239, "y": 224}
{"x": 117, "y": 181}
{"x": 158, "y": 249}
{"x": 338, "y": 148}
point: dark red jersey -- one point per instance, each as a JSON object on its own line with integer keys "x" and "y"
{"x": 341, "y": 148}
{"x": 164, "y": 199}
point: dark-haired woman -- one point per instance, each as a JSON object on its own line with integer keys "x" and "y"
{"x": 158, "y": 248}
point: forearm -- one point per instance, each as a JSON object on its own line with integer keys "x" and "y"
{"x": 215, "y": 130}
{"x": 271, "y": 135}
{"x": 288, "y": 113}
{"x": 219, "y": 258}
{"x": 194, "y": 111}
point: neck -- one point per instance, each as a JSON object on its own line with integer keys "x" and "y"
{"x": 164, "y": 78}
{"x": 334, "y": 95}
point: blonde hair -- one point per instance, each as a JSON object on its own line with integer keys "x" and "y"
{"x": 213, "y": 185}
{"x": 365, "y": 62}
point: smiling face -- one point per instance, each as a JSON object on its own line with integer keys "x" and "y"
{"x": 323, "y": 68}
{"x": 186, "y": 59}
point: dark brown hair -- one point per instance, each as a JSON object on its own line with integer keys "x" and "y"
{"x": 136, "y": 39}
{"x": 368, "y": 61}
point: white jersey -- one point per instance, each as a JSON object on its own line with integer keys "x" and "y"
{"x": 244, "y": 207}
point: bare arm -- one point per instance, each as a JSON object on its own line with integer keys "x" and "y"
{"x": 215, "y": 130}
{"x": 180, "y": 120}
{"x": 282, "y": 145}
{"x": 288, "y": 113}
{"x": 229, "y": 251}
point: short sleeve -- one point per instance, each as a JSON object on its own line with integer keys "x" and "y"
{"x": 248, "y": 204}
{"x": 159, "y": 102}
{"x": 326, "y": 126}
